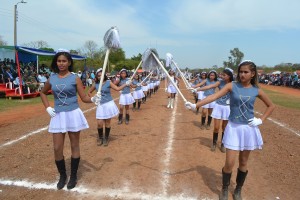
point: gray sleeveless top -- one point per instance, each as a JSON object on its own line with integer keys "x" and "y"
{"x": 135, "y": 82}
{"x": 211, "y": 90}
{"x": 125, "y": 90}
{"x": 65, "y": 92}
{"x": 242, "y": 103}
{"x": 224, "y": 100}
{"x": 105, "y": 92}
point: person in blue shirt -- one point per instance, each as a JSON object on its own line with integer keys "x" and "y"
{"x": 207, "y": 109}
{"x": 138, "y": 93}
{"x": 242, "y": 134}
{"x": 66, "y": 116}
{"x": 107, "y": 109}
{"x": 126, "y": 98}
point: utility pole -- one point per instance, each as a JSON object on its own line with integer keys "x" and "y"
{"x": 15, "y": 22}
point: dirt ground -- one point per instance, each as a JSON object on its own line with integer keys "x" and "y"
{"x": 161, "y": 154}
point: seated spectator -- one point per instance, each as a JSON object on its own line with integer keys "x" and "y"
{"x": 8, "y": 76}
{"x": 41, "y": 79}
{"x": 31, "y": 82}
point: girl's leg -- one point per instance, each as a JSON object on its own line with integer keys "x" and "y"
{"x": 127, "y": 114}
{"x": 226, "y": 173}
{"x": 209, "y": 118}
{"x": 139, "y": 103}
{"x": 172, "y": 100}
{"x": 224, "y": 124}
{"x": 203, "y": 117}
{"x": 241, "y": 174}
{"x": 100, "y": 131}
{"x": 107, "y": 131}
{"x": 134, "y": 105}
{"x": 58, "y": 145}
{"x": 215, "y": 133}
{"x": 121, "y": 115}
{"x": 75, "y": 149}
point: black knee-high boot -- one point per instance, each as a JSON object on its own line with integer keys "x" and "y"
{"x": 61, "y": 167}
{"x": 139, "y": 105}
{"x": 134, "y": 106}
{"x": 127, "y": 119}
{"x": 120, "y": 119}
{"x": 226, "y": 182}
{"x": 209, "y": 120}
{"x": 215, "y": 139}
{"x": 223, "y": 149}
{"x": 203, "y": 122}
{"x": 240, "y": 179}
{"x": 73, "y": 178}
{"x": 100, "y": 135}
{"x": 106, "y": 138}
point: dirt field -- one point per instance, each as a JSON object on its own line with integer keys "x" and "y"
{"x": 161, "y": 154}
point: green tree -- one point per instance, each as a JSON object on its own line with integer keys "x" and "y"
{"x": 235, "y": 59}
{"x": 2, "y": 42}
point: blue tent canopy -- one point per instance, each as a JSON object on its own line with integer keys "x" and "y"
{"x": 27, "y": 54}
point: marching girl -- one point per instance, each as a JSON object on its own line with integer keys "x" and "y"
{"x": 107, "y": 108}
{"x": 199, "y": 95}
{"x": 171, "y": 89}
{"x": 242, "y": 134}
{"x": 66, "y": 116}
{"x": 152, "y": 84}
{"x": 138, "y": 93}
{"x": 221, "y": 109}
{"x": 211, "y": 79}
{"x": 144, "y": 87}
{"x": 126, "y": 98}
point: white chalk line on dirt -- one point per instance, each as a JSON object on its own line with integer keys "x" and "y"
{"x": 281, "y": 124}
{"x": 169, "y": 149}
{"x": 122, "y": 193}
{"x": 32, "y": 133}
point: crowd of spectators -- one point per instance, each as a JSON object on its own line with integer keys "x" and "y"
{"x": 281, "y": 79}
{"x": 33, "y": 79}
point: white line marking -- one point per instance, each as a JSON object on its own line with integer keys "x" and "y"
{"x": 38, "y": 131}
{"x": 169, "y": 149}
{"x": 281, "y": 124}
{"x": 123, "y": 193}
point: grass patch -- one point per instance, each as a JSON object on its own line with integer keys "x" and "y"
{"x": 283, "y": 100}
{"x": 8, "y": 104}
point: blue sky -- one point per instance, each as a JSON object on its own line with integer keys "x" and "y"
{"x": 198, "y": 33}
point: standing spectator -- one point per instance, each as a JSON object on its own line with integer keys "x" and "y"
{"x": 66, "y": 116}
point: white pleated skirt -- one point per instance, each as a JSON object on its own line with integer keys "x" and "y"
{"x": 242, "y": 137}
{"x": 157, "y": 83}
{"x": 138, "y": 94}
{"x": 126, "y": 99}
{"x": 107, "y": 110}
{"x": 200, "y": 95}
{"x": 209, "y": 105}
{"x": 151, "y": 85}
{"x": 145, "y": 88}
{"x": 220, "y": 112}
{"x": 171, "y": 89}
{"x": 71, "y": 121}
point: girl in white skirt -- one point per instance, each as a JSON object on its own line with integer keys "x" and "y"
{"x": 242, "y": 134}
{"x": 138, "y": 93}
{"x": 207, "y": 109}
{"x": 144, "y": 86}
{"x": 107, "y": 108}
{"x": 221, "y": 110}
{"x": 126, "y": 98}
{"x": 66, "y": 116}
{"x": 171, "y": 89}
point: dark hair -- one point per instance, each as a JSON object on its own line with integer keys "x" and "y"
{"x": 216, "y": 76}
{"x": 98, "y": 80}
{"x": 229, "y": 73}
{"x": 123, "y": 70}
{"x": 254, "y": 79}
{"x": 54, "y": 66}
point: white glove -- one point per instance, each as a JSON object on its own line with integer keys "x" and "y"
{"x": 166, "y": 89}
{"x": 96, "y": 99}
{"x": 254, "y": 122}
{"x": 51, "y": 111}
{"x": 138, "y": 84}
{"x": 128, "y": 83}
{"x": 190, "y": 106}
